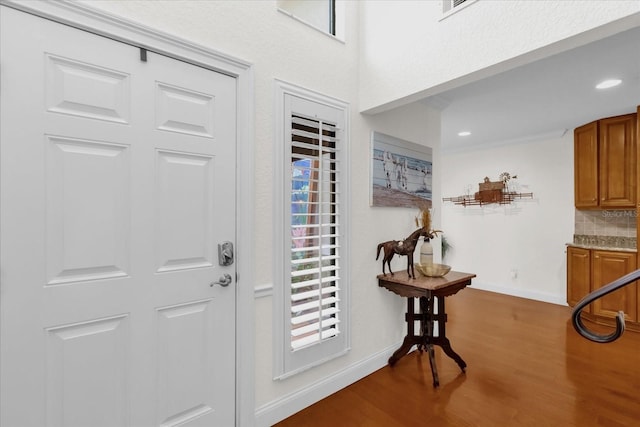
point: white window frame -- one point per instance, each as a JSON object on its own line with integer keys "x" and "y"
{"x": 449, "y": 8}
{"x": 326, "y": 16}
{"x": 291, "y": 99}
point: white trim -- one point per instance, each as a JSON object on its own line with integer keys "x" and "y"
{"x": 310, "y": 25}
{"x": 104, "y": 24}
{"x": 453, "y": 10}
{"x": 279, "y": 409}
{"x": 554, "y": 134}
{"x": 262, "y": 291}
{"x": 521, "y": 293}
{"x": 280, "y": 359}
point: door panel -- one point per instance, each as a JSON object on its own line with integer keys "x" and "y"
{"x": 117, "y": 180}
{"x": 184, "y": 111}
{"x": 87, "y": 90}
{"x": 87, "y": 200}
{"x": 184, "y": 360}
{"x": 617, "y": 161}
{"x": 609, "y": 266}
{"x": 578, "y": 275}
{"x": 585, "y": 147}
{"x": 87, "y": 363}
{"x": 185, "y": 211}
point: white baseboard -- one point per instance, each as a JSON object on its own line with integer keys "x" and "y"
{"x": 279, "y": 409}
{"x": 522, "y": 293}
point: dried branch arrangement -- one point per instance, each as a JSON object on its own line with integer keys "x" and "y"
{"x": 424, "y": 220}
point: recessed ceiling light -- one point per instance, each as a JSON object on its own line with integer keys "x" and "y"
{"x": 606, "y": 84}
{"x": 464, "y": 133}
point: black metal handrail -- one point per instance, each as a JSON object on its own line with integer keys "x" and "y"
{"x": 599, "y": 293}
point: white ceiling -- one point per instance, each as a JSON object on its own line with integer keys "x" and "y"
{"x": 545, "y": 98}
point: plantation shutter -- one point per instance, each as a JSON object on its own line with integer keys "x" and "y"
{"x": 311, "y": 230}
{"x": 315, "y": 230}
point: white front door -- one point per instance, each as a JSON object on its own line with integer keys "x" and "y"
{"x": 117, "y": 182}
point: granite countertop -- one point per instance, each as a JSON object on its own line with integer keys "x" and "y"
{"x": 607, "y": 243}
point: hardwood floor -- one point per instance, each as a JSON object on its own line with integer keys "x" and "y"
{"x": 526, "y": 367}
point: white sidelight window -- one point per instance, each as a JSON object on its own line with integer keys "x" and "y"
{"x": 311, "y": 308}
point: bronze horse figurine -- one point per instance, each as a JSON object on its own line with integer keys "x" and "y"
{"x": 402, "y": 247}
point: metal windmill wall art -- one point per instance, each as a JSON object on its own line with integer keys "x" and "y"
{"x": 490, "y": 192}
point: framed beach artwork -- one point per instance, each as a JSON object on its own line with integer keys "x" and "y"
{"x": 401, "y": 172}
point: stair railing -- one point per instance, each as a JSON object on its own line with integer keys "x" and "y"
{"x": 599, "y": 293}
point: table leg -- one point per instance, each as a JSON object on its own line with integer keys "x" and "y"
{"x": 432, "y": 362}
{"x": 411, "y": 339}
{"x": 443, "y": 341}
{"x": 425, "y": 340}
{"x": 408, "y": 342}
{"x": 426, "y": 308}
{"x": 446, "y": 347}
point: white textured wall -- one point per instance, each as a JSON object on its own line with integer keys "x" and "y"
{"x": 377, "y": 315}
{"x": 283, "y": 48}
{"x": 528, "y": 236}
{"x": 407, "y": 51}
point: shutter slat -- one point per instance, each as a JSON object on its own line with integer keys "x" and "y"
{"x": 315, "y": 326}
{"x": 312, "y": 339}
{"x": 313, "y": 304}
{"x": 313, "y": 135}
{"x": 300, "y": 120}
{"x": 313, "y": 259}
{"x": 314, "y": 282}
{"x": 329, "y": 311}
{"x": 301, "y": 144}
{"x": 314, "y": 272}
{"x": 299, "y": 273}
{"x": 313, "y": 293}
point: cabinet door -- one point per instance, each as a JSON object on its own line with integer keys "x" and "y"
{"x": 585, "y": 146}
{"x": 608, "y": 266}
{"x": 637, "y": 177}
{"x": 578, "y": 275}
{"x": 617, "y": 145}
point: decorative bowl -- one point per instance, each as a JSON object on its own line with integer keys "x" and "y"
{"x": 433, "y": 270}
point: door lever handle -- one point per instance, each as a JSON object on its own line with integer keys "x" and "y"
{"x": 223, "y": 281}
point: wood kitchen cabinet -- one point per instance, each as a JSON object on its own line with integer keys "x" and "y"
{"x": 585, "y": 154}
{"x": 590, "y": 269}
{"x": 638, "y": 176}
{"x": 617, "y": 144}
{"x": 605, "y": 163}
{"x": 578, "y": 275}
{"x": 607, "y": 266}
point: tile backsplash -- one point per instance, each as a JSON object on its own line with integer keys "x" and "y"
{"x": 617, "y": 226}
{"x": 621, "y": 223}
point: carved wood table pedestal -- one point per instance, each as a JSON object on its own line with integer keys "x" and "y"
{"x": 426, "y": 289}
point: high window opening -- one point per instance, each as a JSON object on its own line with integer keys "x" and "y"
{"x": 324, "y": 15}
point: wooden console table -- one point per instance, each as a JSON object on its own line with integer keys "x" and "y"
{"x": 426, "y": 288}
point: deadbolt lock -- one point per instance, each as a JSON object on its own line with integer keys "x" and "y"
{"x": 225, "y": 253}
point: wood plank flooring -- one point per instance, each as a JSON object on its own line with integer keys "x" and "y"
{"x": 526, "y": 367}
